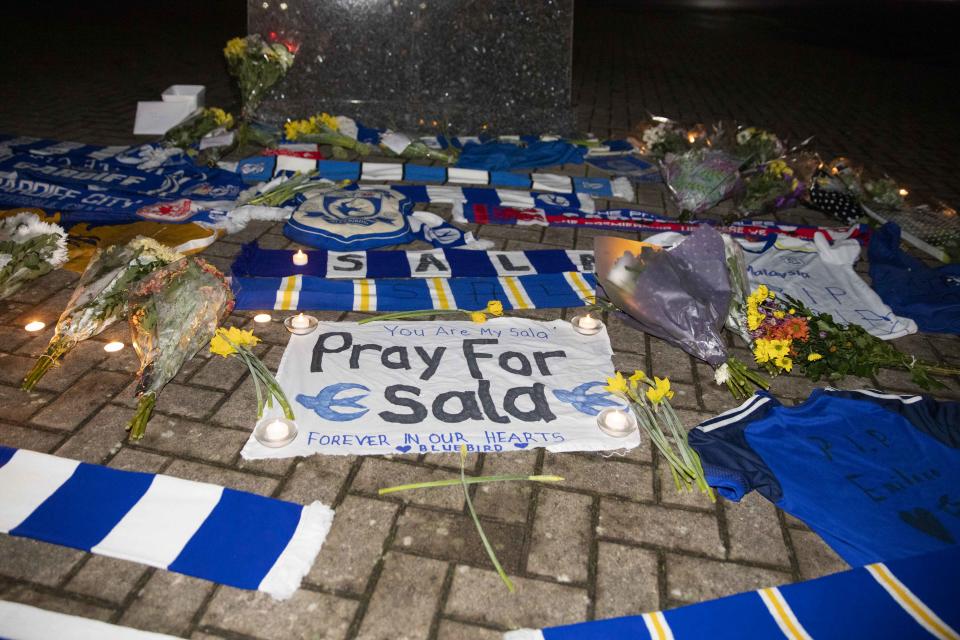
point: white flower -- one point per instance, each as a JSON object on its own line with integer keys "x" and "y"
{"x": 154, "y": 249}
{"x": 5, "y": 259}
{"x": 722, "y": 374}
{"x": 744, "y": 136}
{"x": 657, "y": 134}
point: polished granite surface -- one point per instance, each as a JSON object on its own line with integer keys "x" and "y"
{"x": 408, "y": 64}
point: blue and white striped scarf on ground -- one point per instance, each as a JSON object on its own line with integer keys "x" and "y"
{"x": 198, "y": 529}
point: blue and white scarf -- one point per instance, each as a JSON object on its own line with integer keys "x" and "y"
{"x": 302, "y": 293}
{"x": 198, "y": 529}
{"x": 262, "y": 168}
{"x": 254, "y": 262}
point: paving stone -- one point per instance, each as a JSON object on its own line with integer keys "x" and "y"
{"x": 671, "y": 497}
{"x": 107, "y": 578}
{"x": 694, "y": 579}
{"x": 191, "y": 402}
{"x": 404, "y": 599}
{"x": 755, "y": 532}
{"x": 166, "y": 603}
{"x": 17, "y": 405}
{"x": 317, "y": 478}
{"x": 103, "y": 434}
{"x": 130, "y": 459}
{"x": 601, "y": 475}
{"x": 627, "y": 581}
{"x": 240, "y": 408}
{"x": 24, "y": 594}
{"x": 307, "y": 615}
{"x": 623, "y": 337}
{"x": 346, "y": 558}
{"x": 13, "y": 337}
{"x": 454, "y": 537}
{"x": 34, "y": 561}
{"x": 450, "y": 630}
{"x": 80, "y": 400}
{"x": 668, "y": 528}
{"x": 561, "y": 536}
{"x": 219, "y": 373}
{"x": 376, "y": 474}
{"x": 669, "y": 361}
{"x": 223, "y": 477}
{"x": 478, "y": 595}
{"x": 814, "y": 556}
{"x": 505, "y": 500}
{"x": 180, "y": 436}
{"x": 25, "y": 438}
{"x": 75, "y": 364}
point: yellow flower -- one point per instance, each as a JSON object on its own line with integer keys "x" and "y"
{"x": 783, "y": 363}
{"x": 296, "y": 128}
{"x": 660, "y": 391}
{"x": 778, "y": 314}
{"x": 495, "y": 308}
{"x": 221, "y": 343}
{"x": 328, "y": 121}
{"x": 478, "y": 316}
{"x": 765, "y": 350}
{"x": 635, "y": 380}
{"x": 792, "y": 311}
{"x": 235, "y": 48}
{"x": 617, "y": 384}
{"x": 813, "y": 357}
{"x": 221, "y": 117}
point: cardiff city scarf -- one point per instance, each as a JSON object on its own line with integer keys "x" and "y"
{"x": 198, "y": 529}
{"x": 304, "y": 292}
{"x": 261, "y": 168}
{"x": 635, "y": 220}
{"x": 439, "y": 263}
{"x": 915, "y": 597}
{"x": 112, "y": 185}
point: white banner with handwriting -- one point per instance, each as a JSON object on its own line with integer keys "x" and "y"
{"x": 508, "y": 384}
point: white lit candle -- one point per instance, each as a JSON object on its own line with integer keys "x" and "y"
{"x": 615, "y": 420}
{"x": 904, "y": 192}
{"x": 300, "y": 321}
{"x": 112, "y": 347}
{"x": 262, "y": 318}
{"x": 36, "y": 325}
{"x": 616, "y": 423}
{"x": 300, "y": 258}
{"x": 589, "y": 322}
{"x": 276, "y": 430}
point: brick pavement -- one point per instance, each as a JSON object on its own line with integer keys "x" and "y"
{"x": 613, "y": 539}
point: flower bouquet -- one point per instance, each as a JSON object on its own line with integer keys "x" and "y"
{"x": 651, "y": 406}
{"x": 700, "y": 178}
{"x": 657, "y": 137}
{"x": 188, "y": 133}
{"x": 786, "y": 333}
{"x": 100, "y": 298}
{"x": 256, "y": 66}
{"x": 174, "y": 312}
{"x": 236, "y": 343}
{"x": 29, "y": 249}
{"x": 771, "y": 187}
{"x": 682, "y": 296}
{"x": 757, "y": 146}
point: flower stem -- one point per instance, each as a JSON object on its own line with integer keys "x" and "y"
{"x": 472, "y": 480}
{"x": 476, "y": 521}
{"x": 55, "y": 350}
{"x": 138, "y": 425}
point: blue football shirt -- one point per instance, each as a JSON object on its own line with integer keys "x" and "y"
{"x": 876, "y": 475}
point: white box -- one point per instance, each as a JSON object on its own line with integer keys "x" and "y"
{"x": 192, "y": 93}
{"x": 156, "y": 118}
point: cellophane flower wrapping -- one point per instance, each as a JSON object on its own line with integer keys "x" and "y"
{"x": 174, "y": 312}
{"x": 100, "y": 298}
{"x": 700, "y": 178}
{"x": 681, "y": 296}
{"x": 29, "y": 248}
{"x": 257, "y": 66}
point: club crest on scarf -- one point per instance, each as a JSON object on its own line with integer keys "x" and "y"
{"x": 351, "y": 219}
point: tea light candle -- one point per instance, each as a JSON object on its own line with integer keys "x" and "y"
{"x": 262, "y": 318}
{"x": 275, "y": 432}
{"x": 300, "y": 258}
{"x": 616, "y": 423}
{"x": 586, "y": 324}
{"x": 36, "y": 325}
{"x": 300, "y": 321}
{"x": 113, "y": 347}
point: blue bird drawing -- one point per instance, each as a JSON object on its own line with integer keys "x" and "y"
{"x": 324, "y": 402}
{"x": 587, "y": 402}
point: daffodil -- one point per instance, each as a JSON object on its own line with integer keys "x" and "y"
{"x": 813, "y": 357}
{"x": 328, "y": 121}
{"x": 495, "y": 308}
{"x": 635, "y": 380}
{"x": 225, "y": 341}
{"x": 478, "y": 316}
{"x": 617, "y": 384}
{"x": 660, "y": 390}
{"x": 221, "y": 117}
{"x": 235, "y": 48}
